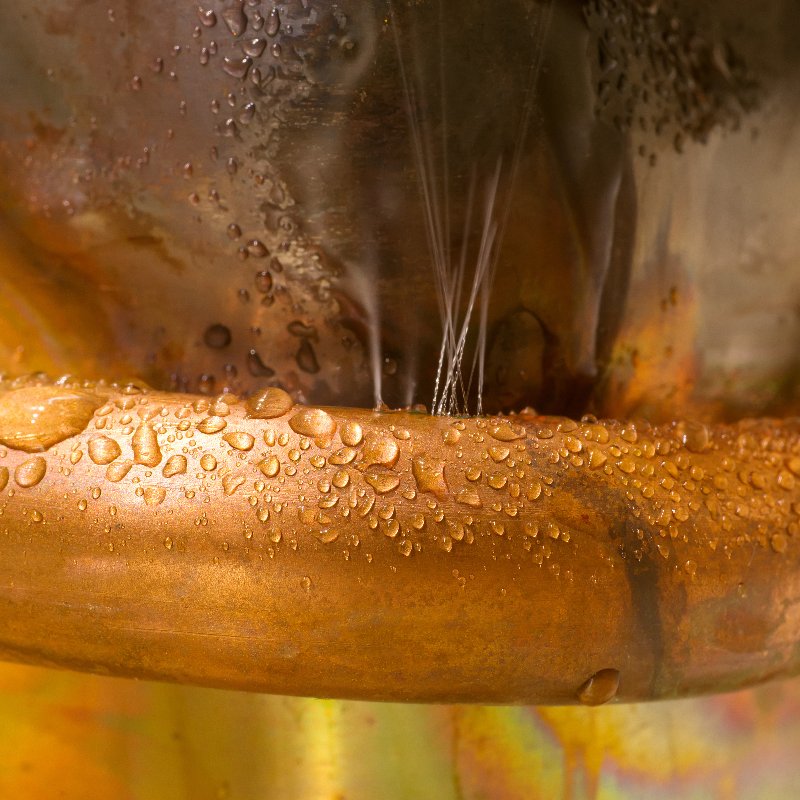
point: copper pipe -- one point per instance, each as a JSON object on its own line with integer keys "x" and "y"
{"x": 393, "y": 555}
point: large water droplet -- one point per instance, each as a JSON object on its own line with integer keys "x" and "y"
{"x": 145, "y": 446}
{"x": 30, "y": 472}
{"x": 35, "y": 418}
{"x": 176, "y": 465}
{"x": 269, "y": 403}
{"x": 314, "y": 423}
{"x": 103, "y": 450}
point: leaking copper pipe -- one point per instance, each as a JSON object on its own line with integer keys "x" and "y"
{"x": 394, "y": 556}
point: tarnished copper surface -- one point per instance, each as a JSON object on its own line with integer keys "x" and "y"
{"x": 351, "y": 553}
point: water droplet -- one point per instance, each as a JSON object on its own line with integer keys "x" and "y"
{"x": 694, "y": 436}
{"x": 305, "y": 583}
{"x": 382, "y": 482}
{"x": 239, "y": 440}
{"x": 175, "y": 465}
{"x": 779, "y": 543}
{"x": 35, "y": 418}
{"x": 497, "y": 481}
{"x": 596, "y": 458}
{"x": 499, "y": 454}
{"x": 235, "y": 19}
{"x": 254, "y": 47}
{"x": 168, "y": 543}
{"x": 256, "y": 367}
{"x": 103, "y": 450}
{"x": 36, "y": 516}
{"x": 600, "y": 688}
{"x": 351, "y": 434}
{"x": 314, "y": 423}
{"x": 231, "y": 482}
{"x": 208, "y": 462}
{"x": 340, "y": 479}
{"x": 30, "y": 472}
{"x": 237, "y": 67}
{"x": 207, "y": 17}
{"x": 469, "y": 497}
{"x": 306, "y": 357}
{"x": 627, "y": 465}
{"x": 270, "y": 466}
{"x": 145, "y": 446}
{"x": 429, "y": 475}
{"x": 452, "y": 436}
{"x": 211, "y": 425}
{"x": 154, "y": 495}
{"x": 273, "y": 22}
{"x": 380, "y": 450}
{"x": 3, "y": 478}
{"x": 264, "y": 281}
{"x": 505, "y": 432}
{"x": 117, "y": 471}
{"x": 217, "y": 336}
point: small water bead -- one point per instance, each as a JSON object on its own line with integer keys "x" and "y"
{"x": 600, "y": 688}
{"x": 117, "y": 471}
{"x": 473, "y": 473}
{"x": 694, "y": 436}
{"x": 306, "y": 358}
{"x": 257, "y": 249}
{"x": 30, "y": 472}
{"x": 154, "y": 495}
{"x": 351, "y": 434}
{"x": 779, "y": 542}
{"x": 3, "y": 478}
{"x": 103, "y": 450}
{"x": 235, "y": 19}
{"x": 270, "y": 466}
{"x": 314, "y": 423}
{"x": 344, "y": 455}
{"x": 429, "y": 475}
{"x": 380, "y": 450}
{"x": 256, "y": 366}
{"x": 145, "y": 446}
{"x": 175, "y": 465}
{"x": 273, "y": 23}
{"x": 207, "y": 17}
{"x": 505, "y": 432}
{"x": 469, "y": 497}
{"x": 217, "y": 336}
{"x": 499, "y": 454}
{"x": 211, "y": 425}
{"x": 82, "y": 504}
{"x": 239, "y": 440}
{"x": 382, "y": 482}
{"x": 208, "y": 462}
{"x": 231, "y": 482}
{"x": 497, "y": 481}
